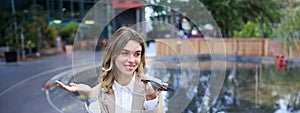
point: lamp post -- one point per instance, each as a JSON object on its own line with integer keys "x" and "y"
{"x": 22, "y": 44}
{"x": 108, "y": 14}
{"x": 16, "y": 28}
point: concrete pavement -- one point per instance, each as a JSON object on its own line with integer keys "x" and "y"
{"x": 21, "y": 83}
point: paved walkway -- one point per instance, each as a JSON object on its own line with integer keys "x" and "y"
{"x": 21, "y": 83}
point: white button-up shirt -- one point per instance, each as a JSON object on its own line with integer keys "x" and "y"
{"x": 123, "y": 98}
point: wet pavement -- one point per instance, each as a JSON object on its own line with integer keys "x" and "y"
{"x": 21, "y": 84}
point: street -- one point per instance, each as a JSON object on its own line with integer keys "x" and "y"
{"x": 21, "y": 84}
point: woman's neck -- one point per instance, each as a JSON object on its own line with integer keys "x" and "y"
{"x": 124, "y": 79}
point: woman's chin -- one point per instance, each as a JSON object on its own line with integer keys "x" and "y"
{"x": 129, "y": 73}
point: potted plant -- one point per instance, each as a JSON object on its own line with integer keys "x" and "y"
{"x": 10, "y": 33}
{"x": 69, "y": 45}
{"x": 11, "y": 55}
{"x": 68, "y": 33}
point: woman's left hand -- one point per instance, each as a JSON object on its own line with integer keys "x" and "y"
{"x": 150, "y": 92}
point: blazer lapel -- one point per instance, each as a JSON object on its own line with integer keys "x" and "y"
{"x": 108, "y": 102}
{"x": 138, "y": 96}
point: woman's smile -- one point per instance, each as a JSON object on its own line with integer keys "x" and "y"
{"x": 129, "y": 59}
{"x": 130, "y": 67}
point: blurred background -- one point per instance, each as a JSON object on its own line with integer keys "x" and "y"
{"x": 257, "y": 41}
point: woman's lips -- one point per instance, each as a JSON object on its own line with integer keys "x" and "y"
{"x": 130, "y": 67}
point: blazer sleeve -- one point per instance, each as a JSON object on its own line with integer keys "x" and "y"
{"x": 160, "y": 106}
{"x": 95, "y": 91}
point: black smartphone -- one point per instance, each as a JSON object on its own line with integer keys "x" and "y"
{"x": 157, "y": 85}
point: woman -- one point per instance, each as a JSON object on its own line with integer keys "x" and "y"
{"x": 120, "y": 89}
{"x": 186, "y": 27}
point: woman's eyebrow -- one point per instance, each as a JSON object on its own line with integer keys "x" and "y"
{"x": 126, "y": 50}
{"x": 130, "y": 51}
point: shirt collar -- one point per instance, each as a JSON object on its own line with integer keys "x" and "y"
{"x": 130, "y": 86}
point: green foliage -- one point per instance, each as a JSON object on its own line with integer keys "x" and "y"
{"x": 30, "y": 22}
{"x": 193, "y": 9}
{"x": 288, "y": 29}
{"x": 5, "y": 29}
{"x": 68, "y": 32}
{"x": 161, "y": 27}
{"x": 49, "y": 33}
{"x": 70, "y": 28}
{"x": 11, "y": 29}
{"x": 250, "y": 30}
{"x": 231, "y": 15}
{"x": 46, "y": 34}
{"x": 271, "y": 76}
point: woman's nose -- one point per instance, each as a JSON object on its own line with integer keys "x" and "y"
{"x": 131, "y": 58}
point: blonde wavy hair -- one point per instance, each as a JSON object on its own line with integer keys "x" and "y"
{"x": 115, "y": 45}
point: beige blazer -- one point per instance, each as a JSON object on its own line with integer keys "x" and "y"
{"x": 107, "y": 101}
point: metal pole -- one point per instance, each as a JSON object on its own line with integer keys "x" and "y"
{"x": 60, "y": 10}
{"x": 137, "y": 11}
{"x": 34, "y": 11}
{"x": 22, "y": 42}
{"x": 15, "y": 25}
{"x": 48, "y": 9}
{"x": 108, "y": 17}
{"x": 72, "y": 9}
{"x": 81, "y": 7}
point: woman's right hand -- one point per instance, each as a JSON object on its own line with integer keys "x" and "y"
{"x": 81, "y": 88}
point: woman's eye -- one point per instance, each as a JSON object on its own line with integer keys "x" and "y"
{"x": 125, "y": 53}
{"x": 137, "y": 54}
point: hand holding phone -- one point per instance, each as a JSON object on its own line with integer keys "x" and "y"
{"x": 157, "y": 85}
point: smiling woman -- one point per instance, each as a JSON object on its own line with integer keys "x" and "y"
{"x": 120, "y": 89}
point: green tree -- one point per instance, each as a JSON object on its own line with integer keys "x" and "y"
{"x": 232, "y": 15}
{"x": 42, "y": 34}
{"x": 31, "y": 23}
{"x": 6, "y": 28}
{"x": 11, "y": 29}
{"x": 68, "y": 32}
{"x": 250, "y": 30}
{"x": 288, "y": 29}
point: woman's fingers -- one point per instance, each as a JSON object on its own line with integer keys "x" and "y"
{"x": 73, "y": 84}
{"x": 72, "y": 88}
{"x": 165, "y": 85}
{"x": 58, "y": 83}
{"x": 149, "y": 91}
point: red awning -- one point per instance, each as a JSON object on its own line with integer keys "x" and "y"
{"x": 126, "y": 4}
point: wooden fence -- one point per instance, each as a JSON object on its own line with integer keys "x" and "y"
{"x": 241, "y": 47}
{"x": 277, "y": 48}
{"x": 295, "y": 50}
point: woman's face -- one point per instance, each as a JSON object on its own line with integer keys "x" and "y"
{"x": 129, "y": 59}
